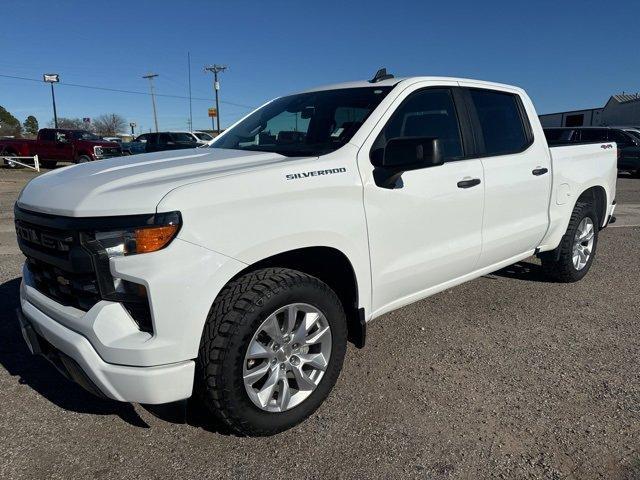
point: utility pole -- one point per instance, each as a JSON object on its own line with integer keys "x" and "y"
{"x": 52, "y": 78}
{"x": 190, "y": 108}
{"x": 151, "y": 76}
{"x": 215, "y": 69}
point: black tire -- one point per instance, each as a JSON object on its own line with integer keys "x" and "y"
{"x": 235, "y": 316}
{"x": 7, "y": 162}
{"x": 49, "y": 163}
{"x": 636, "y": 174}
{"x": 83, "y": 159}
{"x": 558, "y": 264}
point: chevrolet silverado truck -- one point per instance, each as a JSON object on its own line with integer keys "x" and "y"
{"x": 59, "y": 145}
{"x": 236, "y": 274}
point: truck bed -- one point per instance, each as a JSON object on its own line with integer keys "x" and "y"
{"x": 575, "y": 169}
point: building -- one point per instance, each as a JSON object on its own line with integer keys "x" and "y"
{"x": 622, "y": 109}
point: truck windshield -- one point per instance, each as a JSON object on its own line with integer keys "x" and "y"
{"x": 307, "y": 124}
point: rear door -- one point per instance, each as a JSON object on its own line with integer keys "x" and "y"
{"x": 46, "y": 144}
{"x": 517, "y": 173}
{"x": 64, "y": 146}
{"x": 152, "y": 142}
{"x": 165, "y": 142}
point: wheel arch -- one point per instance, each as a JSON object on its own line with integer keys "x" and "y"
{"x": 331, "y": 266}
{"x": 597, "y": 195}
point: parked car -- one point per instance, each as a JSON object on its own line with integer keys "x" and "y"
{"x": 53, "y": 146}
{"x": 156, "y": 142}
{"x": 238, "y": 273}
{"x": 627, "y": 141}
{"x": 201, "y": 138}
{"x": 135, "y": 146}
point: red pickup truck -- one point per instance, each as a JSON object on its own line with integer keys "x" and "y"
{"x": 60, "y": 145}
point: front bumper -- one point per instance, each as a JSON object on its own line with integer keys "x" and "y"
{"x": 73, "y": 355}
{"x": 121, "y": 361}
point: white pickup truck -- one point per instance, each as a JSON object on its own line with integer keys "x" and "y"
{"x": 236, "y": 274}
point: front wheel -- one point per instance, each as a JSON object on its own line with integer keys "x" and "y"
{"x": 271, "y": 350}
{"x": 572, "y": 259}
{"x": 84, "y": 159}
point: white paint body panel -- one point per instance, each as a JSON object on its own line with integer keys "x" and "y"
{"x": 239, "y": 208}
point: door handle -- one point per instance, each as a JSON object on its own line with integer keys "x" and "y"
{"x": 472, "y": 182}
{"x": 539, "y": 171}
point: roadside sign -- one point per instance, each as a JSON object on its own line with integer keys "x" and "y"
{"x": 86, "y": 120}
{"x": 51, "y": 77}
{"x": 213, "y": 112}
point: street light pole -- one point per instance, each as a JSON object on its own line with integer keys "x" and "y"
{"x": 151, "y": 76}
{"x": 52, "y": 78}
{"x": 215, "y": 69}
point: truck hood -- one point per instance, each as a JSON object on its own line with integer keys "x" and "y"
{"x": 132, "y": 184}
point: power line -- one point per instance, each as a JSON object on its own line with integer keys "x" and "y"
{"x": 119, "y": 90}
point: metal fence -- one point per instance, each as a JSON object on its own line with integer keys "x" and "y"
{"x": 17, "y": 162}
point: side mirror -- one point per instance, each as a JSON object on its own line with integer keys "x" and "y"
{"x": 403, "y": 154}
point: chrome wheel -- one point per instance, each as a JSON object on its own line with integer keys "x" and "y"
{"x": 287, "y": 357}
{"x": 583, "y": 243}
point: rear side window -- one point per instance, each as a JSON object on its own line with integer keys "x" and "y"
{"x": 558, "y": 136}
{"x": 426, "y": 113}
{"x": 621, "y": 138}
{"x": 48, "y": 135}
{"x": 500, "y": 117}
{"x": 593, "y": 135}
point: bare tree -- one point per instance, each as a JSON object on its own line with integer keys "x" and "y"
{"x": 72, "y": 124}
{"x": 109, "y": 125}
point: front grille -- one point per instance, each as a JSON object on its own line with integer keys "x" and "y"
{"x": 68, "y": 288}
{"x": 111, "y": 152}
{"x": 61, "y": 269}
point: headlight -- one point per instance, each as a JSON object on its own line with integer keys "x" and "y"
{"x": 140, "y": 239}
{"x": 97, "y": 150}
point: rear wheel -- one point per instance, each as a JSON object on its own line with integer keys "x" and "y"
{"x": 7, "y": 160}
{"x": 572, "y": 259}
{"x": 271, "y": 350}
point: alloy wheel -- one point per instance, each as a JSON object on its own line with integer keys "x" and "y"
{"x": 287, "y": 357}
{"x": 583, "y": 243}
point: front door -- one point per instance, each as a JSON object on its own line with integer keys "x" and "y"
{"x": 427, "y": 230}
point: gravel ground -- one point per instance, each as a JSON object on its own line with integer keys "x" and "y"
{"x": 507, "y": 376}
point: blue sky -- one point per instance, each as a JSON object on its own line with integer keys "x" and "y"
{"x": 567, "y": 54}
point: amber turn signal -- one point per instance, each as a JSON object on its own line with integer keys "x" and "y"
{"x": 151, "y": 239}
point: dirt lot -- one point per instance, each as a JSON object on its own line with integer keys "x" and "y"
{"x": 507, "y": 376}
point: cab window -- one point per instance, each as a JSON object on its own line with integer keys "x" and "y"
{"x": 427, "y": 113}
{"x": 501, "y": 121}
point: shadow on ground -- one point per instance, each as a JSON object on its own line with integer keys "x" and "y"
{"x": 41, "y": 375}
{"x": 530, "y": 272}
